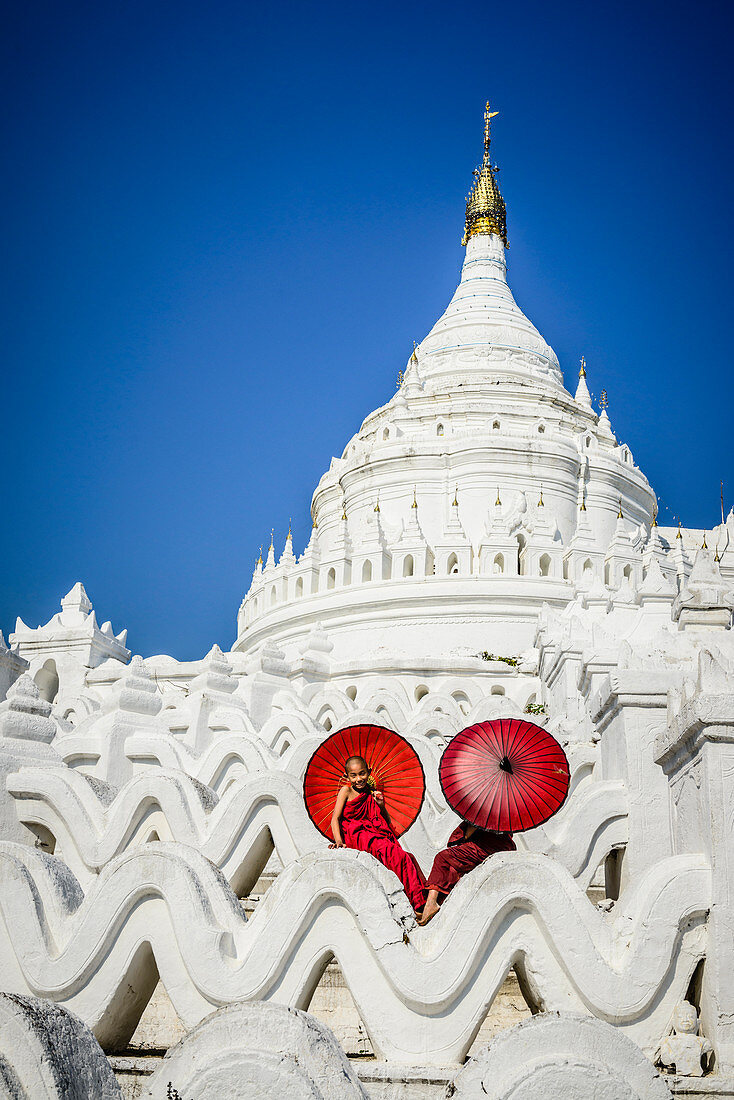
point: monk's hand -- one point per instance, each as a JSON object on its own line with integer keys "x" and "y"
{"x": 379, "y": 798}
{"x": 336, "y": 844}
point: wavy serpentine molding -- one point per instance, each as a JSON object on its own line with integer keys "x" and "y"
{"x": 93, "y": 823}
{"x": 422, "y": 993}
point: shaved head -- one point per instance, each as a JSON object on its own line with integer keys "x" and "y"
{"x": 359, "y": 761}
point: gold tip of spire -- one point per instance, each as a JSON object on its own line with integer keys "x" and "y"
{"x": 619, "y": 513}
{"x": 414, "y": 357}
{"x": 704, "y": 546}
{"x": 498, "y": 501}
{"x": 582, "y": 371}
{"x": 415, "y": 502}
{"x": 604, "y": 401}
{"x": 679, "y": 535}
{"x": 289, "y": 536}
{"x": 654, "y": 517}
{"x": 344, "y": 509}
{"x": 260, "y": 559}
{"x": 455, "y": 501}
{"x": 377, "y": 505}
{"x": 540, "y": 502}
{"x": 716, "y": 555}
{"x": 485, "y": 207}
{"x": 583, "y": 506}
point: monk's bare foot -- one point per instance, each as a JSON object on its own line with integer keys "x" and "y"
{"x": 429, "y": 911}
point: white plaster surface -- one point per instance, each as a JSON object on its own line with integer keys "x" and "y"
{"x": 258, "y": 1050}
{"x": 567, "y": 1056}
{"x": 48, "y": 1053}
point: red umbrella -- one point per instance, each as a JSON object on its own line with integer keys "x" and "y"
{"x": 507, "y": 775}
{"x": 396, "y": 770}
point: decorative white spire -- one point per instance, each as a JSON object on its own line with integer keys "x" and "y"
{"x": 288, "y": 557}
{"x": 582, "y": 390}
{"x": 270, "y": 560}
{"x": 604, "y": 427}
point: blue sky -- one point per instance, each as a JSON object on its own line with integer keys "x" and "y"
{"x": 225, "y": 224}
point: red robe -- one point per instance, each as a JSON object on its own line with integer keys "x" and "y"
{"x": 364, "y": 827}
{"x": 462, "y": 856}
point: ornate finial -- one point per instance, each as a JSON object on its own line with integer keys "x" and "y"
{"x": 414, "y": 357}
{"x": 619, "y": 513}
{"x": 583, "y": 505}
{"x": 498, "y": 502}
{"x": 400, "y": 379}
{"x": 603, "y": 400}
{"x": 260, "y": 559}
{"x": 314, "y": 523}
{"x": 679, "y": 535}
{"x": 344, "y": 509}
{"x": 485, "y": 207}
{"x": 455, "y": 501}
{"x": 704, "y": 546}
{"x": 289, "y": 536}
{"x": 540, "y": 502}
{"x": 272, "y": 533}
{"x": 716, "y": 555}
{"x": 654, "y": 516}
{"x": 582, "y": 371}
{"x": 415, "y": 502}
{"x": 377, "y": 505}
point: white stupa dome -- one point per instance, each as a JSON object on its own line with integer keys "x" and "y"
{"x": 480, "y": 491}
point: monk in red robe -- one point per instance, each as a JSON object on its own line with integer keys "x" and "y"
{"x": 468, "y": 847}
{"x": 361, "y": 820}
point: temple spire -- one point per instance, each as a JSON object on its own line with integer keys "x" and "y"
{"x": 485, "y": 207}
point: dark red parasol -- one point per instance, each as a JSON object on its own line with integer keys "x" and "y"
{"x": 396, "y": 770}
{"x": 507, "y": 775}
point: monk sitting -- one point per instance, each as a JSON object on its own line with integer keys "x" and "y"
{"x": 468, "y": 847}
{"x": 361, "y": 820}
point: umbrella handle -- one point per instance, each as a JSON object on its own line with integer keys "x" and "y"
{"x": 505, "y": 764}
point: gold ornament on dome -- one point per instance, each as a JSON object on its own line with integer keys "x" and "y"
{"x": 485, "y": 207}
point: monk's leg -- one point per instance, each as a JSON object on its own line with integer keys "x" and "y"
{"x": 431, "y": 907}
{"x": 448, "y": 867}
{"x": 445, "y": 872}
{"x": 404, "y": 865}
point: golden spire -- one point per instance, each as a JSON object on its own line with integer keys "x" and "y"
{"x": 455, "y": 501}
{"x": 540, "y": 502}
{"x": 377, "y": 505}
{"x": 260, "y": 559}
{"x": 582, "y": 371}
{"x": 704, "y": 546}
{"x": 314, "y": 524}
{"x": 654, "y": 517}
{"x": 290, "y": 533}
{"x": 414, "y": 357}
{"x": 272, "y": 532}
{"x": 604, "y": 401}
{"x": 679, "y": 535}
{"x": 344, "y": 509}
{"x": 619, "y": 513}
{"x": 716, "y": 555}
{"x": 498, "y": 501}
{"x": 583, "y": 505}
{"x": 485, "y": 207}
{"x": 415, "y": 502}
